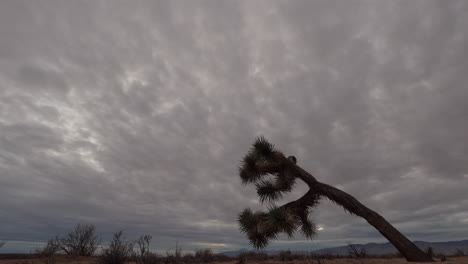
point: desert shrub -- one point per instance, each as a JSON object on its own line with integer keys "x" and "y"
{"x": 82, "y": 241}
{"x": 174, "y": 257}
{"x": 223, "y": 258}
{"x": 204, "y": 255}
{"x": 353, "y": 252}
{"x": 459, "y": 253}
{"x": 242, "y": 258}
{"x": 145, "y": 256}
{"x": 118, "y": 252}
{"x": 316, "y": 256}
{"x": 256, "y": 256}
{"x": 48, "y": 253}
{"x": 285, "y": 255}
{"x": 430, "y": 252}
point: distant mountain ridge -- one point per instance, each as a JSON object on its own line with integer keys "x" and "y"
{"x": 446, "y": 248}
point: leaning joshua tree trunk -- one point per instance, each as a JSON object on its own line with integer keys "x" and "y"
{"x": 264, "y": 160}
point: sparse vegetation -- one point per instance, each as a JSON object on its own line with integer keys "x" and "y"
{"x": 82, "y": 241}
{"x": 430, "y": 252}
{"x": 204, "y": 255}
{"x": 48, "y": 253}
{"x": 459, "y": 253}
{"x": 174, "y": 257}
{"x": 118, "y": 252}
{"x": 145, "y": 256}
{"x": 274, "y": 175}
{"x": 285, "y": 255}
{"x": 354, "y": 252}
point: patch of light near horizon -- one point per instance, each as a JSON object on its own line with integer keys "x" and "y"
{"x": 211, "y": 245}
{"x": 214, "y": 223}
{"x": 12, "y": 246}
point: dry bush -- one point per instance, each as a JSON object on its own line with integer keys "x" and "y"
{"x": 324, "y": 256}
{"x": 174, "y": 257}
{"x": 255, "y": 256}
{"x": 241, "y": 259}
{"x": 223, "y": 258}
{"x": 189, "y": 258}
{"x": 430, "y": 252}
{"x": 48, "y": 253}
{"x": 204, "y": 255}
{"x": 285, "y": 255}
{"x": 118, "y": 252}
{"x": 82, "y": 241}
{"x": 353, "y": 252}
{"x": 459, "y": 253}
{"x": 145, "y": 256}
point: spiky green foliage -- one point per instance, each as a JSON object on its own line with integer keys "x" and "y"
{"x": 260, "y": 161}
{"x": 281, "y": 219}
{"x": 264, "y": 149}
{"x": 267, "y": 191}
{"x": 308, "y": 227}
{"x": 247, "y": 220}
{"x": 248, "y": 171}
{"x": 261, "y": 227}
{"x": 285, "y": 180}
{"x": 252, "y": 224}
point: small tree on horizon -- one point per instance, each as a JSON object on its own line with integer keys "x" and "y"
{"x": 119, "y": 251}
{"x": 274, "y": 175}
{"x": 82, "y": 241}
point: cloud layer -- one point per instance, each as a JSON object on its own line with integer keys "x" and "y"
{"x": 134, "y": 115}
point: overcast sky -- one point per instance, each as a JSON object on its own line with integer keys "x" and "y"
{"x": 134, "y": 115}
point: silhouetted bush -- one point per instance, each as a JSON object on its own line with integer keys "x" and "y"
{"x": 285, "y": 255}
{"x": 443, "y": 258}
{"x": 430, "y": 252}
{"x": 119, "y": 251}
{"x": 255, "y": 256}
{"x": 459, "y": 253}
{"x": 48, "y": 253}
{"x": 353, "y": 252}
{"x": 174, "y": 257}
{"x": 241, "y": 259}
{"x": 82, "y": 241}
{"x": 204, "y": 255}
{"x": 145, "y": 256}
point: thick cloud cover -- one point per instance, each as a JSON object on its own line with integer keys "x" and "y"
{"x": 134, "y": 115}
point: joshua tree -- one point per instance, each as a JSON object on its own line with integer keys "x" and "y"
{"x": 273, "y": 175}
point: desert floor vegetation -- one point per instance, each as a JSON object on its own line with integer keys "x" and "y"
{"x": 62, "y": 259}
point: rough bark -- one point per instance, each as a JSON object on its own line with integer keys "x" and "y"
{"x": 407, "y": 248}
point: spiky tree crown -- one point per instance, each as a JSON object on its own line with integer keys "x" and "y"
{"x": 273, "y": 176}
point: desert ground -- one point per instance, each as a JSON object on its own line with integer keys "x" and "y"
{"x": 85, "y": 260}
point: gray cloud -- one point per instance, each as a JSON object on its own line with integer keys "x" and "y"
{"x": 135, "y": 115}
